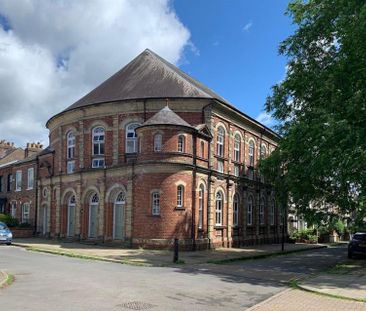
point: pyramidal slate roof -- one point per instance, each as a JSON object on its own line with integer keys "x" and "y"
{"x": 147, "y": 76}
{"x": 166, "y": 117}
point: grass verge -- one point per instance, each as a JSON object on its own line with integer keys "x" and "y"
{"x": 262, "y": 256}
{"x": 296, "y": 285}
{"x": 81, "y": 256}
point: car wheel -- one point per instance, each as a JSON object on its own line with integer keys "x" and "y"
{"x": 9, "y": 243}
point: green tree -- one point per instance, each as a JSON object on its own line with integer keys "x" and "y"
{"x": 320, "y": 106}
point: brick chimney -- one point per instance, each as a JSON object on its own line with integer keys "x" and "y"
{"x": 32, "y": 148}
{"x": 4, "y": 147}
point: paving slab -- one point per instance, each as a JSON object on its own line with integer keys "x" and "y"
{"x": 290, "y": 300}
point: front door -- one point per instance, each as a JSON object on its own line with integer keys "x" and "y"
{"x": 93, "y": 210}
{"x": 118, "y": 220}
{"x": 71, "y": 220}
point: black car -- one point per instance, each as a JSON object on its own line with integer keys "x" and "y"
{"x": 357, "y": 246}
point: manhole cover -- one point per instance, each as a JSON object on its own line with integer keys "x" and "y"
{"x": 137, "y": 305}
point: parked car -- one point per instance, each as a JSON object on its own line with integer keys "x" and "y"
{"x": 357, "y": 246}
{"x": 6, "y": 236}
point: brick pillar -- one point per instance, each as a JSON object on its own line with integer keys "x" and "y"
{"x": 101, "y": 211}
{"x": 38, "y": 206}
{"x": 78, "y": 210}
{"x": 58, "y": 207}
{"x": 211, "y": 210}
{"x": 128, "y": 206}
{"x": 229, "y": 213}
{"x": 115, "y": 140}
{"x": 243, "y": 206}
{"x": 81, "y": 144}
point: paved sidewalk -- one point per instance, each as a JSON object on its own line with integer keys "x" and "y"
{"x": 345, "y": 280}
{"x": 297, "y": 300}
{"x": 156, "y": 257}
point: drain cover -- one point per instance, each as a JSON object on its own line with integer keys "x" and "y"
{"x": 137, "y": 305}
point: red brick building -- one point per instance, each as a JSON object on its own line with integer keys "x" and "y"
{"x": 151, "y": 155}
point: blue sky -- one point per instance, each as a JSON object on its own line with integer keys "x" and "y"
{"x": 46, "y": 64}
{"x": 237, "y": 43}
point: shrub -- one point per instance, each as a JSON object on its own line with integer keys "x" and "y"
{"x": 305, "y": 235}
{"x": 24, "y": 225}
{"x": 9, "y": 220}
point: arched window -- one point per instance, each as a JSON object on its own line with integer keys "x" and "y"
{"x": 236, "y": 210}
{"x": 237, "y": 143}
{"x": 250, "y": 211}
{"x": 94, "y": 199}
{"x": 181, "y": 143}
{"x": 201, "y": 193}
{"x": 272, "y": 213}
{"x": 118, "y": 216}
{"x": 180, "y": 196}
{"x": 155, "y": 203}
{"x": 72, "y": 200}
{"x": 158, "y": 139}
{"x": 263, "y": 151}
{"x": 70, "y": 152}
{"x": 98, "y": 147}
{"x": 261, "y": 211}
{"x": 70, "y": 145}
{"x": 131, "y": 138}
{"x": 219, "y": 207}
{"x": 251, "y": 153}
{"x": 220, "y": 141}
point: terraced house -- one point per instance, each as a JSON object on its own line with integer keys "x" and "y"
{"x": 151, "y": 155}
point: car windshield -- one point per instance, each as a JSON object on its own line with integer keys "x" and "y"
{"x": 360, "y": 237}
{"x": 2, "y": 227}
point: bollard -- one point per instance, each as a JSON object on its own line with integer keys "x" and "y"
{"x": 176, "y": 251}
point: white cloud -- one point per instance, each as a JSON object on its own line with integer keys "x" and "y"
{"x": 247, "y": 26}
{"x": 56, "y": 51}
{"x": 266, "y": 119}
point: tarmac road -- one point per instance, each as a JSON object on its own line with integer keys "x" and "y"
{"x": 51, "y": 282}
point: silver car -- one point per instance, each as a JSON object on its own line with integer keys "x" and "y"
{"x": 6, "y": 236}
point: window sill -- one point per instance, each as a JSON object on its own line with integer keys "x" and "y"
{"x": 178, "y": 208}
{"x": 29, "y": 189}
{"x": 220, "y": 227}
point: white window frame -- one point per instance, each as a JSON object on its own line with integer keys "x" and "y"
{"x": 236, "y": 202}
{"x": 158, "y": 142}
{"x": 219, "y": 208}
{"x": 131, "y": 138}
{"x": 251, "y": 152}
{"x": 25, "y": 213}
{"x": 237, "y": 143}
{"x": 98, "y": 141}
{"x": 236, "y": 170}
{"x": 180, "y": 196}
{"x": 30, "y": 181}
{"x": 263, "y": 151}
{"x": 71, "y": 145}
{"x": 18, "y": 180}
{"x": 155, "y": 203}
{"x": 98, "y": 163}
{"x": 250, "y": 211}
{"x": 220, "y": 166}
{"x": 13, "y": 210}
{"x": 181, "y": 143}
{"x": 70, "y": 167}
{"x": 220, "y": 141}
{"x": 201, "y": 193}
